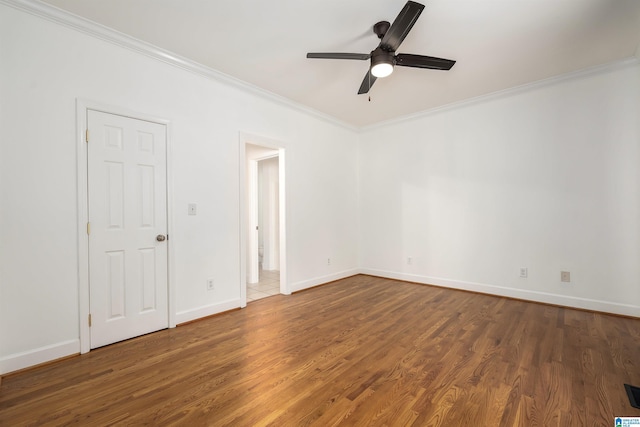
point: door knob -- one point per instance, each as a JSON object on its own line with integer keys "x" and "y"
{"x": 160, "y": 238}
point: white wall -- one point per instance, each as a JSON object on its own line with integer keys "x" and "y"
{"x": 44, "y": 67}
{"x": 544, "y": 177}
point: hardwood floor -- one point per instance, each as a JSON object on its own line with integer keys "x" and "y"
{"x": 360, "y": 351}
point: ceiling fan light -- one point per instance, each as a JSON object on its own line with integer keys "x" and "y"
{"x": 382, "y": 69}
{"x": 382, "y": 62}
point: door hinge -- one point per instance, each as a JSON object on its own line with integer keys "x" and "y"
{"x": 86, "y": 136}
{"x": 89, "y": 320}
{"x": 88, "y": 228}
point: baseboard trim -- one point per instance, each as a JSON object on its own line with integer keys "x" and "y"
{"x": 542, "y": 297}
{"x": 27, "y": 359}
{"x": 19, "y": 361}
{"x": 206, "y": 310}
{"x": 317, "y": 281}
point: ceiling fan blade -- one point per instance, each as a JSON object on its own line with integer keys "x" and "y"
{"x": 369, "y": 80}
{"x": 359, "y": 56}
{"x": 420, "y": 61}
{"x": 401, "y": 26}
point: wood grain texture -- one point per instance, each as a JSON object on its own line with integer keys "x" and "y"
{"x": 361, "y": 351}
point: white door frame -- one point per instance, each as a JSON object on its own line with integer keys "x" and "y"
{"x": 253, "y": 269}
{"x": 82, "y": 106}
{"x": 247, "y": 138}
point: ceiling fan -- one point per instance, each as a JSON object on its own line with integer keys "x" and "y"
{"x": 384, "y": 58}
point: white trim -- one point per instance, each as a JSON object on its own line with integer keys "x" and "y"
{"x": 282, "y": 217}
{"x": 206, "y": 310}
{"x": 543, "y": 297}
{"x": 316, "y": 281}
{"x": 253, "y": 264}
{"x": 83, "y": 219}
{"x": 598, "y": 69}
{"x": 26, "y": 359}
{"x": 171, "y": 271}
{"x": 99, "y": 31}
{"x": 242, "y": 207}
{"x": 82, "y": 106}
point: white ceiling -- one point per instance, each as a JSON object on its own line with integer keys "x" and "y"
{"x": 498, "y": 44}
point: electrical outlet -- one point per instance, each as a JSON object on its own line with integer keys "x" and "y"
{"x": 565, "y": 276}
{"x": 192, "y": 209}
{"x": 524, "y": 272}
{"x": 328, "y": 261}
{"x": 210, "y": 284}
{"x": 409, "y": 260}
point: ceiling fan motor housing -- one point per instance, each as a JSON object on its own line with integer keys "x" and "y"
{"x": 381, "y": 28}
{"x": 379, "y": 55}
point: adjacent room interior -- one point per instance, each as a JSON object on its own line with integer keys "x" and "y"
{"x": 458, "y": 242}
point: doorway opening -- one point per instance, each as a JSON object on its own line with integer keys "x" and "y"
{"x": 263, "y": 232}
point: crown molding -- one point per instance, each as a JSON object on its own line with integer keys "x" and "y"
{"x": 99, "y": 31}
{"x": 598, "y": 69}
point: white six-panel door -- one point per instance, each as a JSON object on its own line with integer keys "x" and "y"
{"x": 127, "y": 206}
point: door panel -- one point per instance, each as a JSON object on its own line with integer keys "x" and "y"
{"x": 128, "y": 283}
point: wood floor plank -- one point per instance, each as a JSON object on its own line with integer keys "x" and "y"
{"x": 359, "y": 351}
